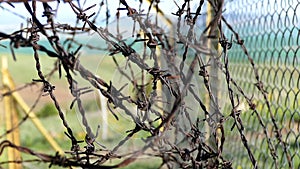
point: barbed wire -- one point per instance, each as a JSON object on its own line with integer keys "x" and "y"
{"x": 174, "y": 136}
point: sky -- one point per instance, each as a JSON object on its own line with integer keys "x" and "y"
{"x": 9, "y": 21}
{"x": 63, "y": 15}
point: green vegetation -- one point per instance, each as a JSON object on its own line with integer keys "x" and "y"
{"x": 48, "y": 110}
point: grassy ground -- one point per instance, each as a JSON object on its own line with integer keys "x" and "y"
{"x": 282, "y": 94}
{"x": 23, "y": 71}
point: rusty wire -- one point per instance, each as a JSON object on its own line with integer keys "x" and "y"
{"x": 245, "y": 103}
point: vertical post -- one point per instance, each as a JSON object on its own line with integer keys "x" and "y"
{"x": 104, "y": 116}
{"x": 11, "y": 118}
{"x": 208, "y": 20}
{"x": 18, "y": 101}
{"x": 160, "y": 90}
{"x": 207, "y": 98}
{"x": 212, "y": 102}
{"x": 213, "y": 71}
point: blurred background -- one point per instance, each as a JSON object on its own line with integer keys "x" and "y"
{"x": 270, "y": 30}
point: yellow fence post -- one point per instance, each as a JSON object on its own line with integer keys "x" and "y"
{"x": 207, "y": 99}
{"x": 11, "y": 119}
{"x": 169, "y": 23}
{"x": 37, "y": 122}
{"x": 213, "y": 44}
{"x": 15, "y": 97}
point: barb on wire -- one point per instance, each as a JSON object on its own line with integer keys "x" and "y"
{"x": 167, "y": 92}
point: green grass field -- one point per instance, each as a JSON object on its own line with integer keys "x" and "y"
{"x": 282, "y": 93}
{"x": 23, "y": 71}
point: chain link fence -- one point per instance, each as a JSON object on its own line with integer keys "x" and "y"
{"x": 270, "y": 30}
{"x": 237, "y": 107}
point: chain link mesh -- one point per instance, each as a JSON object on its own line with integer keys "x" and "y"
{"x": 261, "y": 78}
{"x": 270, "y": 30}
